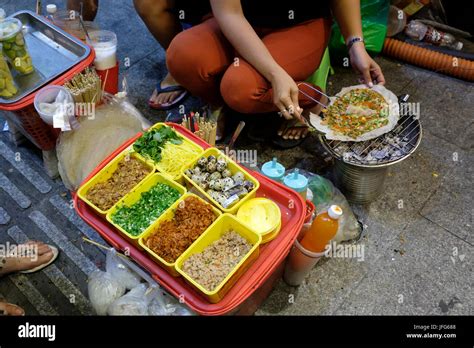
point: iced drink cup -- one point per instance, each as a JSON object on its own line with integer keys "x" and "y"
{"x": 14, "y": 46}
{"x": 105, "y": 47}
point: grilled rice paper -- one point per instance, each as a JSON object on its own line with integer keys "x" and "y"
{"x": 358, "y": 113}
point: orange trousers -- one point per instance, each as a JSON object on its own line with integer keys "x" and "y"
{"x": 205, "y": 63}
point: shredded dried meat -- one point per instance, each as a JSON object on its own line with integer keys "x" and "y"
{"x": 130, "y": 171}
{"x": 172, "y": 237}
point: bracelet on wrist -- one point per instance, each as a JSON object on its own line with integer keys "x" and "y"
{"x": 352, "y": 41}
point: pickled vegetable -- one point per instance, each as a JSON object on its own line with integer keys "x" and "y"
{"x": 14, "y": 46}
{"x": 7, "y": 86}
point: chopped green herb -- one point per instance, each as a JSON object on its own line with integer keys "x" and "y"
{"x": 138, "y": 217}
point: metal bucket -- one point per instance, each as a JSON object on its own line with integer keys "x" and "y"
{"x": 360, "y": 185}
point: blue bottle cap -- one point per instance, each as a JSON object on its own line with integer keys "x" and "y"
{"x": 296, "y": 181}
{"x": 273, "y": 170}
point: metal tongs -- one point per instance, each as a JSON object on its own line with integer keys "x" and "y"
{"x": 310, "y": 97}
{"x": 314, "y": 89}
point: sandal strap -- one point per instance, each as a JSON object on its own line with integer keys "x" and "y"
{"x": 168, "y": 89}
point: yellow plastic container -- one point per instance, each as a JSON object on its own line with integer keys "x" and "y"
{"x": 222, "y": 225}
{"x": 262, "y": 215}
{"x": 233, "y": 167}
{"x": 168, "y": 215}
{"x": 105, "y": 174}
{"x": 179, "y": 177}
{"x": 272, "y": 235}
{"x": 133, "y": 197}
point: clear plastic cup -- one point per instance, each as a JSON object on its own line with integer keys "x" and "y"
{"x": 14, "y": 46}
{"x": 69, "y": 21}
{"x": 105, "y": 47}
{"x": 7, "y": 85}
{"x": 48, "y": 95}
{"x": 299, "y": 263}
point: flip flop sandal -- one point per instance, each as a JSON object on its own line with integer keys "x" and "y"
{"x": 166, "y": 106}
{"x": 44, "y": 265}
{"x": 287, "y": 143}
{"x": 4, "y": 312}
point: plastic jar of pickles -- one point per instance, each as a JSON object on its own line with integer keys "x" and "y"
{"x": 14, "y": 46}
{"x": 7, "y": 85}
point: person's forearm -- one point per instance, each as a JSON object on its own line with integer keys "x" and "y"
{"x": 347, "y": 15}
{"x": 243, "y": 38}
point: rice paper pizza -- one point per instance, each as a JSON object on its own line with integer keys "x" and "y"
{"x": 358, "y": 113}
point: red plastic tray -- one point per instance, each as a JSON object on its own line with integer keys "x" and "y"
{"x": 271, "y": 254}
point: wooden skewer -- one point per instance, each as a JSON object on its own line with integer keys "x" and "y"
{"x": 103, "y": 247}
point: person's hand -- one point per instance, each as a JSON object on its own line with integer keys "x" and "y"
{"x": 369, "y": 71}
{"x": 285, "y": 95}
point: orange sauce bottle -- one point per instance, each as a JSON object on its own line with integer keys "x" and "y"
{"x": 322, "y": 230}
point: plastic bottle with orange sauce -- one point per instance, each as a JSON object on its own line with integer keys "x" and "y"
{"x": 322, "y": 230}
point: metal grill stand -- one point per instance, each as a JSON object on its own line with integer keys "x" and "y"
{"x": 361, "y": 167}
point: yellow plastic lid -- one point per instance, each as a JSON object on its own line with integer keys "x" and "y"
{"x": 260, "y": 214}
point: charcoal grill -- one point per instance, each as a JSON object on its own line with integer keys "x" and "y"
{"x": 361, "y": 167}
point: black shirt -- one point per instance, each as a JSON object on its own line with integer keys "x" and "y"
{"x": 260, "y": 13}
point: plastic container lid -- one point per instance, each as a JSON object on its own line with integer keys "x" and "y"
{"x": 103, "y": 39}
{"x": 260, "y": 214}
{"x": 296, "y": 181}
{"x": 335, "y": 212}
{"x": 9, "y": 27}
{"x": 273, "y": 169}
{"x": 51, "y": 8}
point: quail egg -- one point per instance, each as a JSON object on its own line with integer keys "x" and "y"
{"x": 218, "y": 185}
{"x": 204, "y": 185}
{"x": 196, "y": 178}
{"x": 215, "y": 176}
{"x": 202, "y": 161}
{"x": 226, "y": 173}
{"x": 248, "y": 185}
{"x": 220, "y": 198}
{"x": 211, "y": 167}
{"x": 212, "y": 184}
{"x": 228, "y": 182}
{"x": 221, "y": 166}
{"x": 239, "y": 176}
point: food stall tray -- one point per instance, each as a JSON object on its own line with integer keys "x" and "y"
{"x": 52, "y": 50}
{"x": 271, "y": 256}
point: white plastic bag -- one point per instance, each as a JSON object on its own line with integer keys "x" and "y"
{"x": 326, "y": 194}
{"x": 103, "y": 290}
{"x": 163, "y": 304}
{"x": 117, "y": 268}
{"x": 135, "y": 302}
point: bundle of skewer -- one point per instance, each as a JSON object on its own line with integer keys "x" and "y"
{"x": 85, "y": 87}
{"x": 204, "y": 129}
